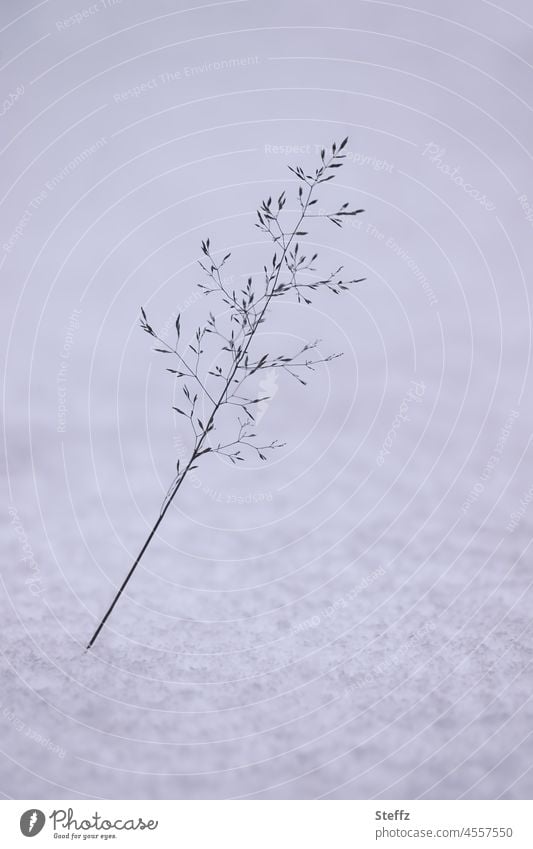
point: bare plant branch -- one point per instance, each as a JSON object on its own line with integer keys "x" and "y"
{"x": 215, "y": 369}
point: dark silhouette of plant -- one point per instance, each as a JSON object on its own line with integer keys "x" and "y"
{"x": 216, "y": 369}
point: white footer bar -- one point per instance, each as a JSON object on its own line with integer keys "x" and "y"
{"x": 268, "y": 824}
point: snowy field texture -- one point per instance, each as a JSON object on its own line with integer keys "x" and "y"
{"x": 351, "y": 619}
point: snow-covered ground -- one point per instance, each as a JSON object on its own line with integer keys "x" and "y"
{"x": 353, "y": 618}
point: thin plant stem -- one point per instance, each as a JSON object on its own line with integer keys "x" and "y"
{"x": 249, "y": 318}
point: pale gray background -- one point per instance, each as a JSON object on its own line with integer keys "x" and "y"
{"x": 209, "y": 683}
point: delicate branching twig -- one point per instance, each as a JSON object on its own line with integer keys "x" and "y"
{"x": 215, "y": 369}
